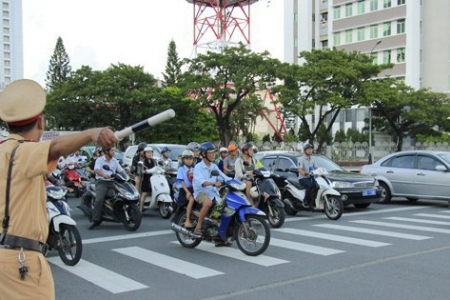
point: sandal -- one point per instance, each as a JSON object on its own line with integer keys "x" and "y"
{"x": 190, "y": 227}
{"x": 198, "y": 232}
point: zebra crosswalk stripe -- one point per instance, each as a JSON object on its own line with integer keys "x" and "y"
{"x": 303, "y": 247}
{"x": 332, "y": 237}
{"x": 433, "y": 216}
{"x": 262, "y": 260}
{"x": 394, "y": 225}
{"x": 418, "y": 221}
{"x": 168, "y": 262}
{"x": 375, "y": 232}
{"x": 104, "y": 278}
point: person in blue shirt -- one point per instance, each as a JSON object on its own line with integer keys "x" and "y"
{"x": 204, "y": 184}
{"x": 185, "y": 176}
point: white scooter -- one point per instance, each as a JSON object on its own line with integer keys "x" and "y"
{"x": 63, "y": 234}
{"x": 160, "y": 198}
{"x": 326, "y": 198}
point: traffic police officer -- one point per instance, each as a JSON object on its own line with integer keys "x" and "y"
{"x": 24, "y": 271}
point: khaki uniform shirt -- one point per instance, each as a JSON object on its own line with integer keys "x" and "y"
{"x": 27, "y": 208}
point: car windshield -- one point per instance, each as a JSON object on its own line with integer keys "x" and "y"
{"x": 445, "y": 156}
{"x": 329, "y": 165}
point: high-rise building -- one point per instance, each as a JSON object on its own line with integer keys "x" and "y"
{"x": 412, "y": 34}
{"x": 11, "y": 45}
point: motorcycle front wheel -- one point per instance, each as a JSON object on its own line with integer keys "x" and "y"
{"x": 333, "y": 207}
{"x": 257, "y": 239}
{"x": 134, "y": 219}
{"x": 275, "y": 215}
{"x": 165, "y": 210}
{"x": 70, "y": 245}
{"x": 184, "y": 239}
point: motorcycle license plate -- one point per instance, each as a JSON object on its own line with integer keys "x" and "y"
{"x": 369, "y": 192}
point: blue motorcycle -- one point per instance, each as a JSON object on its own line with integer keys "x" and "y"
{"x": 232, "y": 218}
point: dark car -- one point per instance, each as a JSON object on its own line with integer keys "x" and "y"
{"x": 357, "y": 189}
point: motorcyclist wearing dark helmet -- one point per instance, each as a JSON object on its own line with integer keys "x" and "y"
{"x": 134, "y": 165}
{"x": 165, "y": 159}
{"x": 195, "y": 147}
{"x": 204, "y": 185}
{"x": 306, "y": 164}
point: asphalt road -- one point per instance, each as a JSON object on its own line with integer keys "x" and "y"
{"x": 395, "y": 251}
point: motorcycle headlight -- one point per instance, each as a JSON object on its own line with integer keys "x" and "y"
{"x": 56, "y": 194}
{"x": 127, "y": 194}
{"x": 342, "y": 184}
{"x": 240, "y": 186}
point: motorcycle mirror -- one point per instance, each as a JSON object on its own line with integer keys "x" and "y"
{"x": 106, "y": 167}
{"x": 214, "y": 173}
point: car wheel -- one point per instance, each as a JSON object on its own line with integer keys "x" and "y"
{"x": 385, "y": 194}
{"x": 361, "y": 205}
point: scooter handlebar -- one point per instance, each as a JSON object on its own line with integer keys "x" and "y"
{"x": 150, "y": 122}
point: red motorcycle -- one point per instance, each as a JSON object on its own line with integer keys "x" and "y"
{"x": 72, "y": 179}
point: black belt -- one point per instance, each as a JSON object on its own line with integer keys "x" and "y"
{"x": 17, "y": 242}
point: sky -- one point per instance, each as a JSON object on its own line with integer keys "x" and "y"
{"x": 99, "y": 33}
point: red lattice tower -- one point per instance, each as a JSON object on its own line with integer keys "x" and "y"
{"x": 225, "y": 23}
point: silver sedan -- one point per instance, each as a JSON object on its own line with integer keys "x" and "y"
{"x": 412, "y": 174}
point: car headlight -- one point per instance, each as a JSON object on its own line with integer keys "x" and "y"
{"x": 342, "y": 184}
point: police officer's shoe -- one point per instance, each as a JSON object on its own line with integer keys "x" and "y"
{"x": 93, "y": 225}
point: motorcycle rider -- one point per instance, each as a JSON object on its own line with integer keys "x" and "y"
{"x": 165, "y": 159}
{"x": 134, "y": 165}
{"x": 104, "y": 182}
{"x": 185, "y": 176}
{"x": 245, "y": 173}
{"x": 223, "y": 152}
{"x": 195, "y": 147}
{"x": 204, "y": 188}
{"x": 149, "y": 163}
{"x": 306, "y": 164}
{"x": 230, "y": 160}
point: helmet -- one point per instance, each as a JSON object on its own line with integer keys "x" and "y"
{"x": 232, "y": 147}
{"x": 246, "y": 147}
{"x": 207, "y": 146}
{"x": 148, "y": 149}
{"x": 254, "y": 192}
{"x": 308, "y": 146}
{"x": 164, "y": 149}
{"x": 193, "y": 146}
{"x": 141, "y": 146}
{"x": 223, "y": 149}
{"x": 187, "y": 154}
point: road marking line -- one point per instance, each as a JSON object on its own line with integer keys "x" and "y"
{"x": 362, "y": 213}
{"x": 104, "y": 278}
{"x": 432, "y": 216}
{"x": 376, "y": 232}
{"x": 261, "y": 260}
{"x": 126, "y": 237}
{"x": 168, "y": 262}
{"x": 393, "y": 225}
{"x": 332, "y": 237}
{"x": 418, "y": 221}
{"x": 303, "y": 247}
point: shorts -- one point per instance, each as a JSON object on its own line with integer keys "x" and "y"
{"x": 201, "y": 198}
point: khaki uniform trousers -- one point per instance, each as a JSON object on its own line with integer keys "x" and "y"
{"x": 38, "y": 283}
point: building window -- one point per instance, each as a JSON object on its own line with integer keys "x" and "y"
{"x": 373, "y": 5}
{"x": 7, "y": 79}
{"x": 361, "y": 7}
{"x": 324, "y": 17}
{"x": 373, "y": 31}
{"x": 325, "y": 44}
{"x": 374, "y": 57}
{"x": 5, "y": 5}
{"x": 361, "y": 34}
{"x": 6, "y": 38}
{"x": 6, "y": 55}
{"x": 400, "y": 2}
{"x": 6, "y": 47}
{"x": 386, "y": 56}
{"x": 6, "y": 14}
{"x": 6, "y": 30}
{"x": 401, "y": 55}
{"x": 349, "y": 36}
{"x": 5, "y": 22}
{"x": 337, "y": 38}
{"x": 349, "y": 10}
{"x": 337, "y": 12}
{"x": 387, "y": 3}
{"x": 7, "y": 63}
{"x": 400, "y": 26}
{"x": 387, "y": 29}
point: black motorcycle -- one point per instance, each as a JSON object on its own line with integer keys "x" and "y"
{"x": 267, "y": 197}
{"x": 121, "y": 204}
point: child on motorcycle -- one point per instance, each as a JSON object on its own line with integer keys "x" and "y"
{"x": 184, "y": 180}
{"x": 146, "y": 187}
{"x": 245, "y": 172}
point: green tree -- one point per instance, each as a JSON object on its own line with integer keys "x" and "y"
{"x": 59, "y": 68}
{"x": 173, "y": 66}
{"x": 221, "y": 81}
{"x": 327, "y": 82}
{"x": 401, "y": 111}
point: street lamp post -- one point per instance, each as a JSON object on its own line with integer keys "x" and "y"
{"x": 370, "y": 113}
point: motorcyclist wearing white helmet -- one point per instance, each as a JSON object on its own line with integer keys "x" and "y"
{"x": 223, "y": 153}
{"x": 185, "y": 176}
{"x": 146, "y": 187}
{"x": 306, "y": 164}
